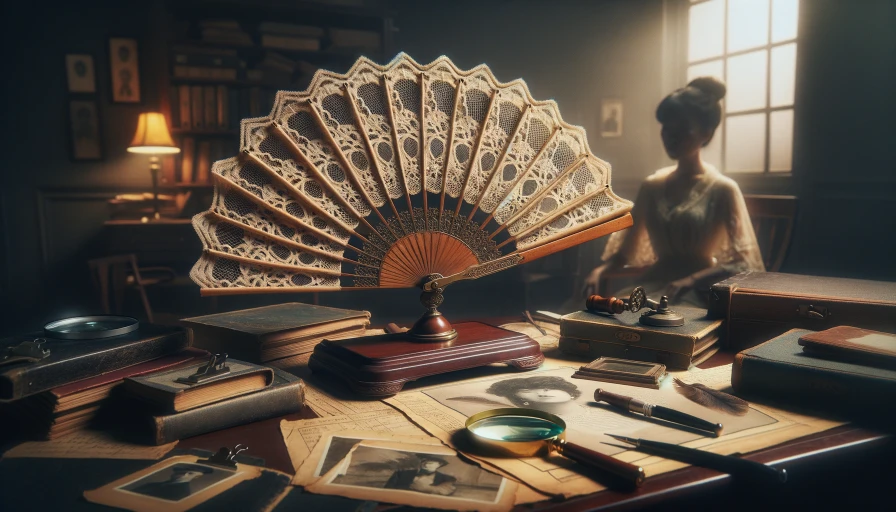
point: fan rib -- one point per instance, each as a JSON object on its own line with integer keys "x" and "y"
{"x": 283, "y": 241}
{"x": 377, "y": 171}
{"x": 299, "y": 196}
{"x": 471, "y": 166}
{"x": 246, "y": 290}
{"x": 293, "y": 220}
{"x": 423, "y": 152}
{"x": 273, "y": 264}
{"x": 399, "y": 161}
{"x": 560, "y": 212}
{"x": 347, "y": 166}
{"x": 533, "y": 202}
{"x": 323, "y": 182}
{"x": 500, "y": 163}
{"x": 522, "y": 175}
{"x": 450, "y": 144}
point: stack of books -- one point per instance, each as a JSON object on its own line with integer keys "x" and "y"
{"x": 75, "y": 406}
{"x": 226, "y": 32}
{"x": 205, "y": 396}
{"x": 622, "y": 336}
{"x": 271, "y": 333}
{"x": 288, "y": 36}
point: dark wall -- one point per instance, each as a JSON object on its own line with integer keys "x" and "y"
{"x": 844, "y": 151}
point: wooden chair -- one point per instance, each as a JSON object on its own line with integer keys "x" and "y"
{"x": 773, "y": 219}
{"x": 113, "y": 275}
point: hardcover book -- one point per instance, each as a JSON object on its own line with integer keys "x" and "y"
{"x": 273, "y": 332}
{"x": 73, "y": 360}
{"x": 848, "y": 343}
{"x": 168, "y": 391}
{"x": 593, "y": 335}
{"x": 781, "y": 370}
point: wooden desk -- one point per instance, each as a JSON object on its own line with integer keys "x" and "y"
{"x": 847, "y": 466}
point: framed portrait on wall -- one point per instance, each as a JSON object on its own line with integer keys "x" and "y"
{"x": 86, "y": 137}
{"x": 610, "y": 117}
{"x": 81, "y": 73}
{"x": 124, "y": 70}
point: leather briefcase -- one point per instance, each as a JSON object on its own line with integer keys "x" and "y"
{"x": 759, "y": 306}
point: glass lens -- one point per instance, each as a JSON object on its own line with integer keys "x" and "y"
{"x": 516, "y": 428}
{"x": 90, "y": 326}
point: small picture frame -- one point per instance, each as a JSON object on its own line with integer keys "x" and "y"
{"x": 80, "y": 72}
{"x": 623, "y": 371}
{"x": 85, "y": 133}
{"x": 124, "y": 70}
{"x": 611, "y": 117}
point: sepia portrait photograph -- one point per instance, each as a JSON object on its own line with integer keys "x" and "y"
{"x": 124, "y": 70}
{"x": 81, "y": 73}
{"x": 86, "y": 138}
{"x": 411, "y": 474}
{"x": 610, "y": 117}
{"x": 175, "y": 484}
{"x": 557, "y": 392}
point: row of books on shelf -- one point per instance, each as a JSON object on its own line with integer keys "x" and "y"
{"x": 217, "y": 107}
{"x": 288, "y": 36}
{"x": 193, "y": 166}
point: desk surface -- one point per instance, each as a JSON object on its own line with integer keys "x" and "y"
{"x": 848, "y": 466}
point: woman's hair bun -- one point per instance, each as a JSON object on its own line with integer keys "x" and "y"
{"x": 710, "y": 86}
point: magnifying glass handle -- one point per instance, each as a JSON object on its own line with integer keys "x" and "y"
{"x": 628, "y": 472}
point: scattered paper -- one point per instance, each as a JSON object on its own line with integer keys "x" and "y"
{"x": 431, "y": 476}
{"x": 88, "y": 444}
{"x": 324, "y": 404}
{"x": 549, "y": 340}
{"x": 301, "y": 436}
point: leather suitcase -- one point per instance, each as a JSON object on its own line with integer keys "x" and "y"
{"x": 759, "y": 306}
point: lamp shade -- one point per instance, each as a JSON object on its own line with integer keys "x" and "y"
{"x": 152, "y": 136}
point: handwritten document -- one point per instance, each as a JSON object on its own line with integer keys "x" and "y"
{"x": 88, "y": 444}
{"x": 302, "y": 436}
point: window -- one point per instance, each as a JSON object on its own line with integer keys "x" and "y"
{"x": 751, "y": 46}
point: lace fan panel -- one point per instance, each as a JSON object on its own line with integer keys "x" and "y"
{"x": 220, "y": 272}
{"x": 594, "y": 211}
{"x": 403, "y": 86}
{"x": 440, "y": 97}
{"x": 474, "y": 101}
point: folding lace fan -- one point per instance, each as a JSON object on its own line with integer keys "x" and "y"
{"x": 403, "y": 175}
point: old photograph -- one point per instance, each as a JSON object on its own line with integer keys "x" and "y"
{"x": 124, "y": 70}
{"x": 418, "y": 475}
{"x": 86, "y": 137}
{"x": 556, "y": 392}
{"x": 81, "y": 73}
{"x": 610, "y": 117}
{"x": 174, "y": 484}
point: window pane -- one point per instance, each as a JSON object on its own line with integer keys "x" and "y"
{"x": 745, "y": 143}
{"x": 712, "y": 68}
{"x": 706, "y": 29}
{"x": 747, "y": 24}
{"x": 713, "y": 152}
{"x": 783, "y": 74}
{"x": 785, "y": 17}
{"x": 781, "y": 143}
{"x": 746, "y": 81}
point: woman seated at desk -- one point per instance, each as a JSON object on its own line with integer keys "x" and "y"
{"x": 691, "y": 224}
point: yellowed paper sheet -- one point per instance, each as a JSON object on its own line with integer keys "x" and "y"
{"x": 549, "y": 340}
{"x": 88, "y": 444}
{"x": 417, "y": 475}
{"x": 301, "y": 436}
{"x": 331, "y": 448}
{"x": 325, "y": 404}
{"x": 762, "y": 427}
{"x": 175, "y": 484}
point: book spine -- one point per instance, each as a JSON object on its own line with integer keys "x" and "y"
{"x": 185, "y": 109}
{"x": 285, "y": 399}
{"x": 210, "y": 107}
{"x": 186, "y": 159}
{"x": 223, "y": 106}
{"x": 196, "y": 104}
{"x": 174, "y": 105}
{"x": 760, "y": 378}
{"x": 632, "y": 337}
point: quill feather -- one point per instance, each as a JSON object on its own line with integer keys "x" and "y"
{"x": 478, "y": 400}
{"x": 711, "y": 398}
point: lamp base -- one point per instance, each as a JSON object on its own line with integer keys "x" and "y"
{"x": 377, "y": 366}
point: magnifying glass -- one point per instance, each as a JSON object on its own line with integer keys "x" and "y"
{"x": 521, "y": 432}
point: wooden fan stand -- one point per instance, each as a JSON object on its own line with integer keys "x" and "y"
{"x": 381, "y": 365}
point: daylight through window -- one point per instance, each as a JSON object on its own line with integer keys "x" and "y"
{"x": 751, "y": 45}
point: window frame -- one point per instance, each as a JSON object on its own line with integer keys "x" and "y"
{"x": 762, "y": 178}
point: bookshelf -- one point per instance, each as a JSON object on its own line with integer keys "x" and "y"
{"x": 226, "y": 60}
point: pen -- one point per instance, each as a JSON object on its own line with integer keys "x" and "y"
{"x": 723, "y": 463}
{"x": 658, "y": 411}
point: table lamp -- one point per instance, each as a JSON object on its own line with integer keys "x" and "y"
{"x": 152, "y": 138}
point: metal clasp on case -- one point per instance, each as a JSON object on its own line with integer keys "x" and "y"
{"x": 215, "y": 368}
{"x": 27, "y": 351}
{"x": 813, "y": 312}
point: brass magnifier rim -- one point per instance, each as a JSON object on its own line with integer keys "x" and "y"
{"x": 527, "y": 448}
